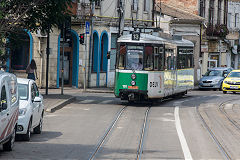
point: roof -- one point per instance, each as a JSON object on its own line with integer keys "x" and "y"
{"x": 179, "y": 13}
{"x": 23, "y": 80}
{"x": 147, "y": 38}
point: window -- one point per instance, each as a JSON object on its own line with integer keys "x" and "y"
{"x": 161, "y": 58}
{"x": 211, "y": 12}
{"x": 185, "y": 58}
{"x": 169, "y": 63}
{"x": 97, "y": 4}
{"x": 146, "y": 5}
{"x": 202, "y": 8}
{"x": 225, "y": 11}
{"x": 19, "y": 50}
{"x": 148, "y": 58}
{"x": 229, "y": 20}
{"x": 236, "y": 22}
{"x": 122, "y": 56}
{"x": 36, "y": 89}
{"x": 33, "y": 92}
{"x": 13, "y": 90}
{"x": 135, "y": 5}
{"x": 219, "y": 11}
{"x": 3, "y": 99}
{"x": 23, "y": 91}
{"x": 3, "y": 95}
{"x": 134, "y": 59}
{"x": 113, "y": 51}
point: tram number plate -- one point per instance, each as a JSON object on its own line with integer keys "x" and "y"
{"x": 233, "y": 87}
{"x": 132, "y": 87}
{"x": 153, "y": 84}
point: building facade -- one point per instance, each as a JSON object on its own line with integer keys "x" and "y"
{"x": 214, "y": 45}
{"x": 181, "y": 22}
{"x": 233, "y": 36}
{"x": 83, "y": 64}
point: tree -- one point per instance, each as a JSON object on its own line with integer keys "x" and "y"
{"x": 29, "y": 15}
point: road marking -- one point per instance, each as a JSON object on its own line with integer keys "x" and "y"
{"x": 185, "y": 149}
{"x": 87, "y": 101}
{"x": 106, "y": 102}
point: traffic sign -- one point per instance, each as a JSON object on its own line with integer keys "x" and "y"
{"x": 87, "y": 27}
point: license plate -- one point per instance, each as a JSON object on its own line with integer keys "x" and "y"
{"x": 207, "y": 84}
{"x": 233, "y": 87}
{"x": 132, "y": 87}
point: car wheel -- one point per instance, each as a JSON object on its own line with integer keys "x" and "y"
{"x": 26, "y": 137}
{"x": 234, "y": 92}
{"x": 224, "y": 92}
{"x": 10, "y": 144}
{"x": 38, "y": 129}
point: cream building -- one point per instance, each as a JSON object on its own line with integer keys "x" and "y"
{"x": 80, "y": 61}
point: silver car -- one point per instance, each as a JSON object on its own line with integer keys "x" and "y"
{"x": 214, "y": 77}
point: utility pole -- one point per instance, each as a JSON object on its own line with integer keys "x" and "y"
{"x": 121, "y": 14}
{"x": 91, "y": 41}
{"x": 47, "y": 52}
{"x": 62, "y": 58}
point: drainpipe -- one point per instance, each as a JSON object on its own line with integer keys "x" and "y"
{"x": 41, "y": 63}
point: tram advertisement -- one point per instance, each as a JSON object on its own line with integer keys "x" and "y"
{"x": 155, "y": 84}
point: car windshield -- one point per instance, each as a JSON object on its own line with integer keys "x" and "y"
{"x": 234, "y": 74}
{"x": 23, "y": 91}
{"x": 135, "y": 59}
{"x": 214, "y": 73}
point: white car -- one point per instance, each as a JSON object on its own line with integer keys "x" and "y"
{"x": 31, "y": 109}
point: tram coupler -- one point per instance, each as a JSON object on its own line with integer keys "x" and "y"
{"x": 131, "y": 97}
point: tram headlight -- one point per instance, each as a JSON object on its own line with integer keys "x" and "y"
{"x": 133, "y": 76}
{"x": 133, "y": 83}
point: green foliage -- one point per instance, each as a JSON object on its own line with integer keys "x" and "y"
{"x": 32, "y": 15}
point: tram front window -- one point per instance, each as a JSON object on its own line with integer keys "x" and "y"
{"x": 134, "y": 59}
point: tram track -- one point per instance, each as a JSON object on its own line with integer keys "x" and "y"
{"x": 222, "y": 110}
{"x": 139, "y": 149}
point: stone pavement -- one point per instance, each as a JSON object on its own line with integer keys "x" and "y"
{"x": 54, "y": 100}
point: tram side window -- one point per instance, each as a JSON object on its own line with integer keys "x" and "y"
{"x": 185, "y": 59}
{"x": 169, "y": 64}
{"x": 148, "y": 58}
{"x": 161, "y": 58}
{"x": 122, "y": 57}
{"x": 156, "y": 59}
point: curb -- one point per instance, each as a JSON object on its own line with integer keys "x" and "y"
{"x": 98, "y": 91}
{"x": 60, "y": 105}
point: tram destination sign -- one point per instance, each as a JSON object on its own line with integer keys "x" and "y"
{"x": 136, "y": 36}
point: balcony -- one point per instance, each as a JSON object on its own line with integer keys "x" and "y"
{"x": 216, "y": 31}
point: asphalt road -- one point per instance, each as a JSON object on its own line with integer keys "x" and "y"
{"x": 75, "y": 131}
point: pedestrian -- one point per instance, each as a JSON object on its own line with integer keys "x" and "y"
{"x": 31, "y": 68}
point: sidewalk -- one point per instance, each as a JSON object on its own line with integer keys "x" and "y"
{"x": 54, "y": 100}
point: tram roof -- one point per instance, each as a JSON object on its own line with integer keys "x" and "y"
{"x": 147, "y": 38}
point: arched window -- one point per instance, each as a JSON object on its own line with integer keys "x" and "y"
{"x": 104, "y": 50}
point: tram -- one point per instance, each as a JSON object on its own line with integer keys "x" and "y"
{"x": 151, "y": 67}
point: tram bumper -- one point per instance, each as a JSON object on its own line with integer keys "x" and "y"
{"x": 132, "y": 94}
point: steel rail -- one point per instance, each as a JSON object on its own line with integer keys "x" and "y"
{"x": 118, "y": 115}
{"x": 210, "y": 131}
{"x": 144, "y": 127}
{"x": 223, "y": 111}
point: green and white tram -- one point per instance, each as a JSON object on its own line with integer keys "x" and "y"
{"x": 152, "y": 67}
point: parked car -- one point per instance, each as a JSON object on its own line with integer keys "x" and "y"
{"x": 31, "y": 109}
{"x": 232, "y": 82}
{"x": 8, "y": 110}
{"x": 213, "y": 78}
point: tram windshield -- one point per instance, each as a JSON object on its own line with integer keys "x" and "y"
{"x": 134, "y": 59}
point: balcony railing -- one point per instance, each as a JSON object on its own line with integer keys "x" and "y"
{"x": 218, "y": 30}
